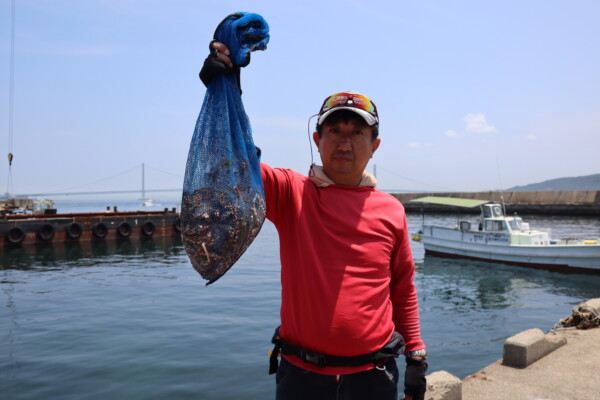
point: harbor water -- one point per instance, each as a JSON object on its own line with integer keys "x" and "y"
{"x": 133, "y": 320}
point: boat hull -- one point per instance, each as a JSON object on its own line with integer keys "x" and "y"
{"x": 19, "y": 230}
{"x": 497, "y": 247}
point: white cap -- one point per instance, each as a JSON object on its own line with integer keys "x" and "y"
{"x": 351, "y": 101}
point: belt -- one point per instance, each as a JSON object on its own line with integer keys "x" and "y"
{"x": 393, "y": 348}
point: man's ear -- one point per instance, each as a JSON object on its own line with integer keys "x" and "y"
{"x": 376, "y": 144}
{"x": 316, "y": 138}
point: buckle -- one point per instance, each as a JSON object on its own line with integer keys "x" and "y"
{"x": 313, "y": 358}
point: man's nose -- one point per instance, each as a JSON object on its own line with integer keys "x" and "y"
{"x": 345, "y": 143}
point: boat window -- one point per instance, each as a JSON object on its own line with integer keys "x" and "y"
{"x": 491, "y": 225}
{"x": 464, "y": 226}
{"x": 487, "y": 211}
{"x": 519, "y": 221}
{"x": 515, "y": 224}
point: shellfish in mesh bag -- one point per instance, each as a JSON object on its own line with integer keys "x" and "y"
{"x": 223, "y": 203}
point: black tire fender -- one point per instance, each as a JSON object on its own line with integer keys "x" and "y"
{"x": 46, "y": 232}
{"x": 100, "y": 230}
{"x": 124, "y": 229}
{"x": 74, "y": 230}
{"x": 15, "y": 235}
{"x": 148, "y": 228}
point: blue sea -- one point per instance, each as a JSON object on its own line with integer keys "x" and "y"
{"x": 133, "y": 320}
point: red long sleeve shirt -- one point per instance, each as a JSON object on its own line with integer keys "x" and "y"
{"x": 346, "y": 268}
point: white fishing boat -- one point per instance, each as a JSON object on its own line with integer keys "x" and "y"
{"x": 506, "y": 239}
{"x": 147, "y": 203}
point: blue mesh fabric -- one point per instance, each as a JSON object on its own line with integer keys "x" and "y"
{"x": 223, "y": 204}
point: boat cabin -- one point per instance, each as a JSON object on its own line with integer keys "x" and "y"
{"x": 491, "y": 210}
{"x": 492, "y": 219}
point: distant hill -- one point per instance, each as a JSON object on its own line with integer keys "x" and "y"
{"x": 589, "y": 182}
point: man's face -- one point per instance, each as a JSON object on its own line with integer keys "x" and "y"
{"x": 345, "y": 148}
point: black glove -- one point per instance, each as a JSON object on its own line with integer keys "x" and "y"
{"x": 415, "y": 383}
{"x": 213, "y": 65}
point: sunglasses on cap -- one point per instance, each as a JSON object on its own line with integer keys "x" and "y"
{"x": 352, "y": 101}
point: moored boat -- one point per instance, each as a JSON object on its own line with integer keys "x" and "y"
{"x": 506, "y": 239}
{"x": 18, "y": 230}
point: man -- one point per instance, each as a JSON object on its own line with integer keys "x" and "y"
{"x": 349, "y": 304}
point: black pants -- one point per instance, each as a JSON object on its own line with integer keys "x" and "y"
{"x": 295, "y": 383}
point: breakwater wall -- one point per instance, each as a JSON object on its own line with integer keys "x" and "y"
{"x": 556, "y": 202}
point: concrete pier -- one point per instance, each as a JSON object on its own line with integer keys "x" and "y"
{"x": 560, "y": 365}
{"x": 559, "y": 202}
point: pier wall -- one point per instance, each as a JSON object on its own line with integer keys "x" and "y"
{"x": 556, "y": 202}
{"x": 563, "y": 364}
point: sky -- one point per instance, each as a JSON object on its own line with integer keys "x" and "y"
{"x": 472, "y": 95}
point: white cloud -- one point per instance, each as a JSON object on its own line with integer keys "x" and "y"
{"x": 414, "y": 145}
{"x": 477, "y": 123}
{"x": 531, "y": 137}
{"x": 453, "y": 134}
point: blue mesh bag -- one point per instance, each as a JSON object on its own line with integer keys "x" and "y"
{"x": 223, "y": 203}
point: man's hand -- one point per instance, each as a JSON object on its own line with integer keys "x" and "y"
{"x": 222, "y": 52}
{"x": 217, "y": 62}
{"x": 415, "y": 383}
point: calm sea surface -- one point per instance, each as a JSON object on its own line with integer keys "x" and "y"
{"x": 133, "y": 320}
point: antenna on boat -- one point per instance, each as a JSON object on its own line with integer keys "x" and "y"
{"x": 500, "y": 190}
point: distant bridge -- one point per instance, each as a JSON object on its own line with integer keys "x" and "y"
{"x": 143, "y": 189}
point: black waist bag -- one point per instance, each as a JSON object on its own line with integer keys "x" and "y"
{"x": 393, "y": 348}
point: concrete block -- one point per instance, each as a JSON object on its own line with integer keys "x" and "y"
{"x": 525, "y": 348}
{"x": 594, "y": 303}
{"x": 442, "y": 385}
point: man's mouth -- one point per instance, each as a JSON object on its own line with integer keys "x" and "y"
{"x": 342, "y": 157}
